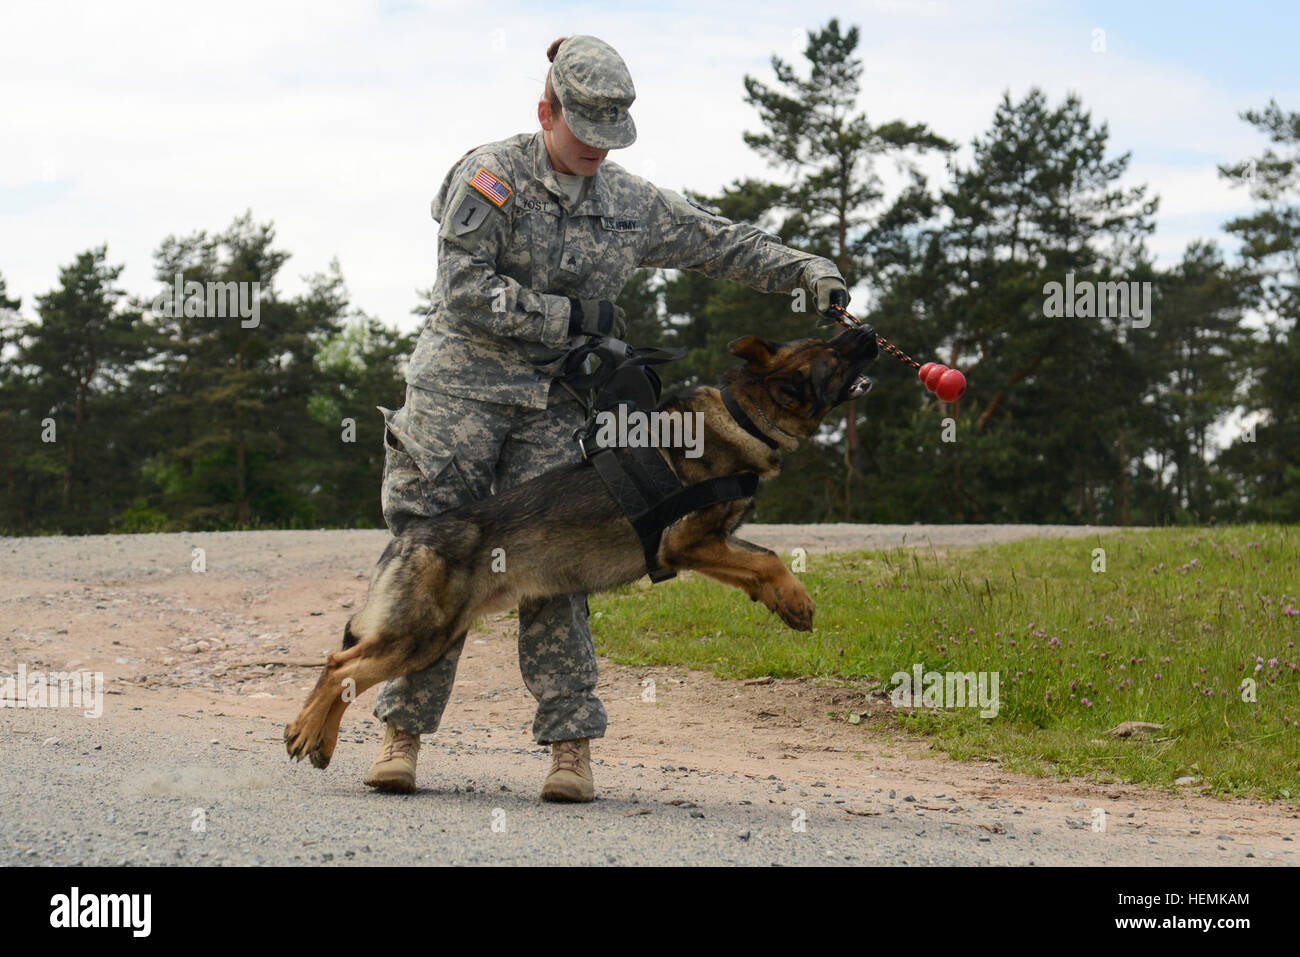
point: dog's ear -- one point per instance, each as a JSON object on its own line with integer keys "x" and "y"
{"x": 752, "y": 349}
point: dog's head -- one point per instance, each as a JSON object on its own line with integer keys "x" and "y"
{"x": 794, "y": 384}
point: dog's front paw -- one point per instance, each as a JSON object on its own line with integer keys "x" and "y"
{"x": 790, "y": 603}
{"x": 796, "y": 607}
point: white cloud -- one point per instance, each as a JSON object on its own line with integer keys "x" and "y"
{"x": 125, "y": 122}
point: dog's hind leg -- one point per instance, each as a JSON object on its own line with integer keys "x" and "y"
{"x": 347, "y": 675}
{"x": 309, "y": 735}
{"x": 403, "y": 627}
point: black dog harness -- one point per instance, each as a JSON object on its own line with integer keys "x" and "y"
{"x": 641, "y": 481}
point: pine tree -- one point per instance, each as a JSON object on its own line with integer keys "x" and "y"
{"x": 234, "y": 391}
{"x": 1194, "y": 365}
{"x": 360, "y": 370}
{"x": 1040, "y": 201}
{"x": 1267, "y": 460}
{"x": 81, "y": 354}
{"x": 815, "y": 134}
{"x": 17, "y": 429}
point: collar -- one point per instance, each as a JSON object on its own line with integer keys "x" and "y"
{"x": 597, "y": 200}
{"x": 745, "y": 422}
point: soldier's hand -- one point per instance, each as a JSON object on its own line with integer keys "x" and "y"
{"x": 619, "y": 329}
{"x": 596, "y": 317}
{"x": 832, "y": 295}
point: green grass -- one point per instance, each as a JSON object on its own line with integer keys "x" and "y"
{"x": 1167, "y": 633}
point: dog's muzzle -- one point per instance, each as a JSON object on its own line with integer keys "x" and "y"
{"x": 858, "y": 346}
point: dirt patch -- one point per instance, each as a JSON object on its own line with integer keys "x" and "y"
{"x": 247, "y": 636}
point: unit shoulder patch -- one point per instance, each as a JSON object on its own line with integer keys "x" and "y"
{"x": 469, "y": 215}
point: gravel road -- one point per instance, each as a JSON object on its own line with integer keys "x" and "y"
{"x": 202, "y": 670}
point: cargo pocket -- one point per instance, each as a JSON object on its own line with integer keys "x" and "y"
{"x": 421, "y": 476}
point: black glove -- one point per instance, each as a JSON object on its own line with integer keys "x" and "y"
{"x": 596, "y": 317}
{"x": 839, "y": 300}
{"x": 832, "y": 296}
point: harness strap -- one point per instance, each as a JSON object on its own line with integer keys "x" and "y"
{"x": 638, "y": 487}
{"x": 653, "y": 498}
{"x": 692, "y": 498}
{"x": 640, "y": 479}
{"x": 623, "y": 375}
{"x": 621, "y": 485}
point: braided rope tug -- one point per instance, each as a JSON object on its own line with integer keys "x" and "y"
{"x": 948, "y": 384}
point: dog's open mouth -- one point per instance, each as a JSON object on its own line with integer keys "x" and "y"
{"x": 859, "y": 387}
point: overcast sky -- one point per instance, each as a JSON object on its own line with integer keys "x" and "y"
{"x": 123, "y": 122}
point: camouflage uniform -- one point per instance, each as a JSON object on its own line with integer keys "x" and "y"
{"x": 479, "y": 415}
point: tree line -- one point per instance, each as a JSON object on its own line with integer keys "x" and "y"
{"x": 1102, "y": 387}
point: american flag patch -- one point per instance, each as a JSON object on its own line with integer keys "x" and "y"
{"x": 491, "y": 187}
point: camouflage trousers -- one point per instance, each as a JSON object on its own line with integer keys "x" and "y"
{"x": 442, "y": 451}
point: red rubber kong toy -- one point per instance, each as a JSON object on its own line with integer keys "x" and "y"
{"x": 950, "y": 386}
{"x": 932, "y": 377}
{"x": 922, "y": 372}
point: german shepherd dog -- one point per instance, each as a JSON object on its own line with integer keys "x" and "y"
{"x": 563, "y": 531}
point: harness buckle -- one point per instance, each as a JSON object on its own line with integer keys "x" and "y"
{"x": 580, "y": 435}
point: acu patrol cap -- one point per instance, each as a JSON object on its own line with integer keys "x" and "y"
{"x": 595, "y": 90}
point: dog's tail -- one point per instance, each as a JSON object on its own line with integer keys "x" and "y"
{"x": 349, "y": 639}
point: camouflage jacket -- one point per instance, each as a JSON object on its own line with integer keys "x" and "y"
{"x": 510, "y": 256}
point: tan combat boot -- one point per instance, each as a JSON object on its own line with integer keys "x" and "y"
{"x": 570, "y": 777}
{"x": 394, "y": 769}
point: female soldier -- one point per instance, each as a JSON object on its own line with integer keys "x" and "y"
{"x": 538, "y": 236}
